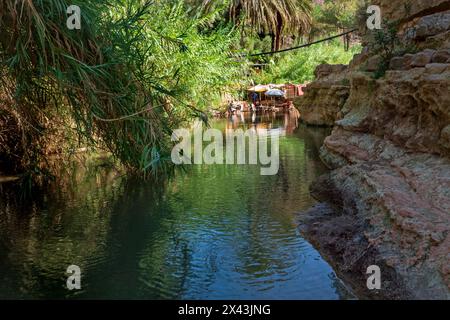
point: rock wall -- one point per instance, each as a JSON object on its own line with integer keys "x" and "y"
{"x": 405, "y": 11}
{"x": 388, "y": 196}
{"x": 324, "y": 98}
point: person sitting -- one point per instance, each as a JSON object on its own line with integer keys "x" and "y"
{"x": 255, "y": 98}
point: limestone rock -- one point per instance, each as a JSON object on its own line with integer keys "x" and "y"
{"x": 432, "y": 25}
{"x": 359, "y": 59}
{"x": 401, "y": 63}
{"x": 325, "y": 70}
{"x": 421, "y": 59}
{"x": 373, "y": 64}
{"x": 324, "y": 98}
{"x": 405, "y": 11}
{"x": 441, "y": 56}
{"x": 436, "y": 68}
{"x": 389, "y": 192}
{"x": 322, "y": 102}
{"x": 445, "y": 138}
{"x": 439, "y": 41}
{"x": 390, "y": 212}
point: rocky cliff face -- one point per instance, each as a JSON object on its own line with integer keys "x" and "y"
{"x": 325, "y": 97}
{"x": 408, "y": 12}
{"x": 389, "y": 192}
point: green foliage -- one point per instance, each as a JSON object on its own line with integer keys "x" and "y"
{"x": 123, "y": 82}
{"x": 299, "y": 66}
{"x": 135, "y": 71}
{"x": 333, "y": 15}
{"x": 385, "y": 41}
{"x": 387, "y": 44}
{"x": 275, "y": 18}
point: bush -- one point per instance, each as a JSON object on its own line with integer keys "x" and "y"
{"x": 298, "y": 66}
{"x": 123, "y": 82}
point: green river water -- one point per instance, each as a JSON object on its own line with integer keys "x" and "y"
{"x": 214, "y": 232}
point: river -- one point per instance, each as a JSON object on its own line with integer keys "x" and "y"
{"x": 214, "y": 232}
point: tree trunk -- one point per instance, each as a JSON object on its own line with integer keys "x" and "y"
{"x": 273, "y": 45}
{"x": 278, "y": 32}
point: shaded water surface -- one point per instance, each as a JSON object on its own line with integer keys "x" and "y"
{"x": 216, "y": 232}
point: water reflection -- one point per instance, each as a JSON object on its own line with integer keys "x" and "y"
{"x": 285, "y": 122}
{"x": 216, "y": 232}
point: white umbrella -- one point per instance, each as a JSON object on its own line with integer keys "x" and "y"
{"x": 275, "y": 93}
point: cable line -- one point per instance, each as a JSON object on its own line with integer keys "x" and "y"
{"x": 303, "y": 45}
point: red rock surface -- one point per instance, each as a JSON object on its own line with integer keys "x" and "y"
{"x": 390, "y": 151}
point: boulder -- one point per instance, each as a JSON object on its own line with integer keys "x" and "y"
{"x": 441, "y": 56}
{"x": 401, "y": 63}
{"x": 373, "y": 64}
{"x": 432, "y": 25}
{"x": 421, "y": 59}
{"x": 437, "y": 68}
{"x": 445, "y": 138}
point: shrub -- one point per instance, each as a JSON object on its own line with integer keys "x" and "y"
{"x": 298, "y": 66}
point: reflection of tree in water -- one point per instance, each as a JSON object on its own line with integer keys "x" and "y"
{"x": 134, "y": 217}
{"x": 258, "y": 207}
{"x": 313, "y": 137}
{"x": 52, "y": 229}
{"x": 155, "y": 254}
{"x": 218, "y": 226}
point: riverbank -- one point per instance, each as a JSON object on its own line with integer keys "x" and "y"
{"x": 387, "y": 215}
{"x": 388, "y": 196}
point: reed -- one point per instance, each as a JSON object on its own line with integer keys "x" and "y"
{"x": 123, "y": 82}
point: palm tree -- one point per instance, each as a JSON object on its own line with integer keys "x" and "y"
{"x": 274, "y": 17}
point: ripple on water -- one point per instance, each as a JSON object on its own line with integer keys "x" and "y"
{"x": 218, "y": 232}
